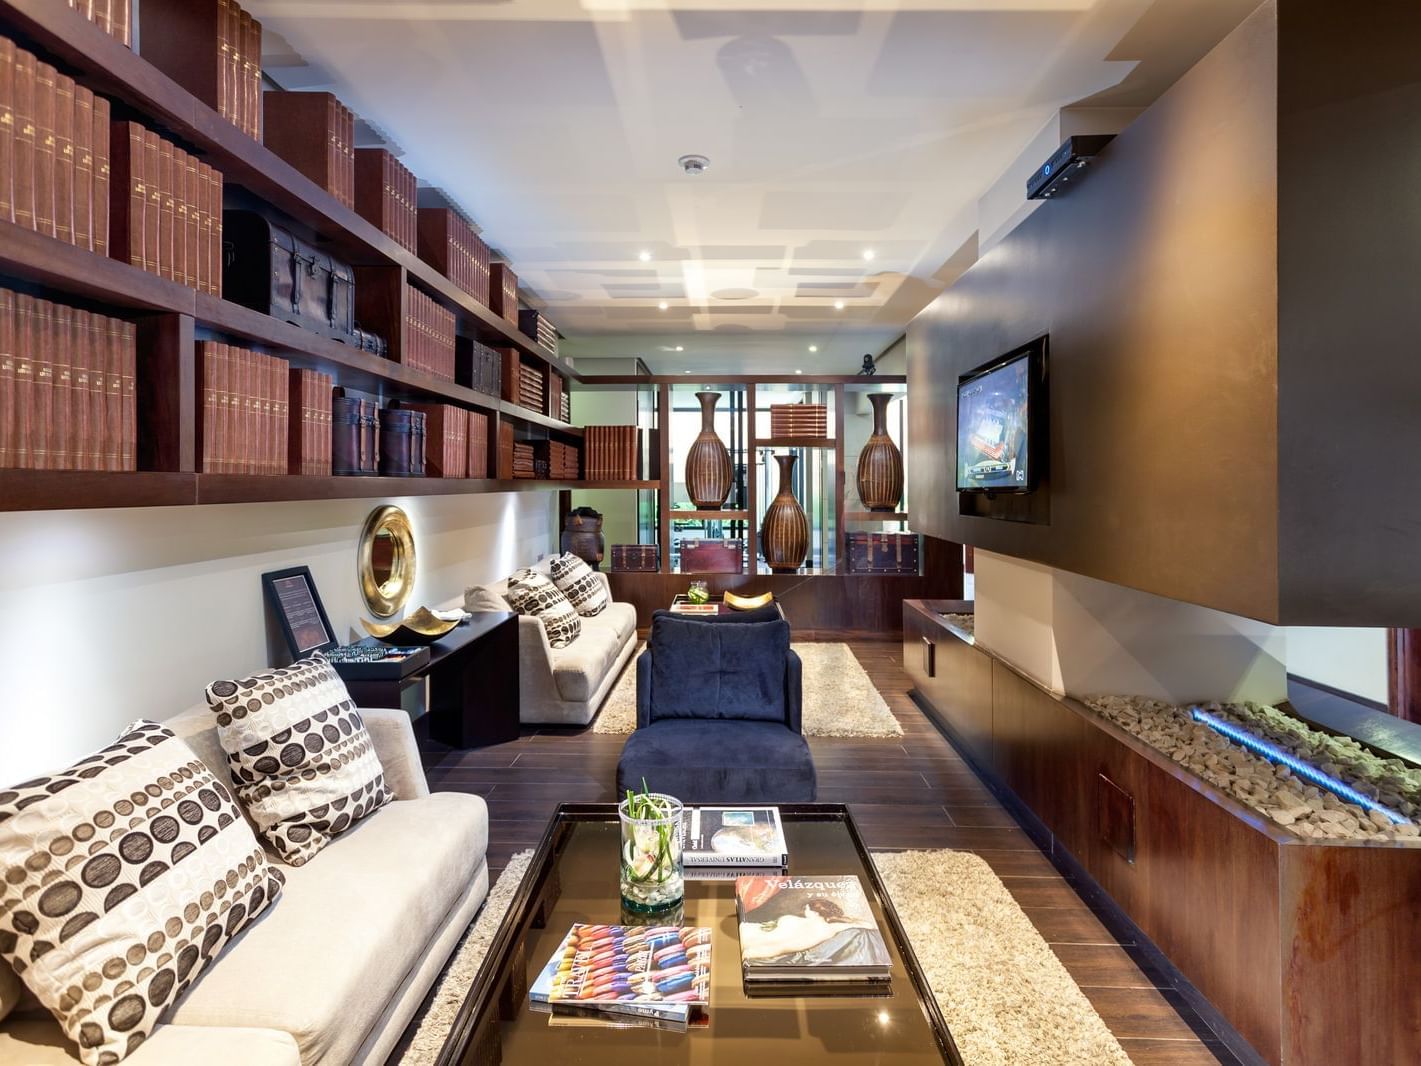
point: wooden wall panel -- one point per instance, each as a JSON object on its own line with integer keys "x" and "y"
{"x": 961, "y": 692}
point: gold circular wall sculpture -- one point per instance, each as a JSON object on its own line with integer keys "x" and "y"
{"x": 386, "y": 561}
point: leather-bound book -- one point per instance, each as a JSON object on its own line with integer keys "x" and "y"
{"x": 41, "y": 410}
{"x": 254, "y": 79}
{"x": 191, "y": 223}
{"x": 79, "y": 356}
{"x": 99, "y": 198}
{"x": 98, "y": 389}
{"x": 121, "y": 18}
{"x": 7, "y": 133}
{"x": 503, "y": 292}
{"x": 373, "y": 199}
{"x": 167, "y": 215}
{"x": 7, "y": 379}
{"x": 181, "y": 272}
{"x": 308, "y": 131}
{"x": 478, "y": 444}
{"x": 153, "y": 209}
{"x": 205, "y": 432}
{"x": 64, "y": 158}
{"x": 130, "y": 193}
{"x": 22, "y": 415}
{"x": 45, "y": 98}
{"x": 83, "y": 199}
{"x": 61, "y": 388}
{"x": 23, "y": 188}
{"x": 124, "y": 341}
{"x": 99, "y": 12}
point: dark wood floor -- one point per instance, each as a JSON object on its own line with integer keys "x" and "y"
{"x": 915, "y": 792}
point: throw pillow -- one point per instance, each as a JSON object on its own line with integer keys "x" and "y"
{"x": 583, "y": 589}
{"x": 531, "y": 593}
{"x": 11, "y": 988}
{"x": 302, "y": 762}
{"x": 124, "y": 876}
{"x": 480, "y": 598}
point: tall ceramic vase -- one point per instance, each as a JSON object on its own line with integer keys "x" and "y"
{"x": 784, "y": 537}
{"x": 880, "y": 476}
{"x": 708, "y": 472}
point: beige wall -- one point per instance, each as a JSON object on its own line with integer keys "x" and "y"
{"x": 109, "y": 616}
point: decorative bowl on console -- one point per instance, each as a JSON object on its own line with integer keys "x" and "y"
{"x": 421, "y": 626}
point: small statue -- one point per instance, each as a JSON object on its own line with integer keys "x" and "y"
{"x": 868, "y": 368}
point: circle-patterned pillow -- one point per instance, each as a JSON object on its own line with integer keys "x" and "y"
{"x": 583, "y": 589}
{"x": 531, "y": 593}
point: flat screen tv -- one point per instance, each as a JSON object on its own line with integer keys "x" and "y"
{"x": 1000, "y": 428}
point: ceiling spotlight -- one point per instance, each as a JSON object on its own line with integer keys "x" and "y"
{"x": 799, "y": 371}
{"x": 838, "y": 305}
{"x": 814, "y": 347}
{"x": 680, "y": 348}
{"x": 662, "y": 306}
{"x": 644, "y": 256}
{"x": 685, "y": 371}
{"x": 868, "y": 254}
{"x": 693, "y": 164}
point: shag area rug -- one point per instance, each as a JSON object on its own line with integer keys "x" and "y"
{"x": 840, "y": 699}
{"x": 1005, "y": 995}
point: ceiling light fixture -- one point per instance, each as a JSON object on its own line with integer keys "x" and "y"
{"x": 838, "y": 305}
{"x": 662, "y": 306}
{"x": 799, "y": 371}
{"x": 693, "y": 164}
{"x": 680, "y": 348}
{"x": 868, "y": 254}
{"x": 644, "y": 256}
{"x": 814, "y": 347}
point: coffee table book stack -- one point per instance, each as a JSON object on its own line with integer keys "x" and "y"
{"x": 809, "y": 934}
{"x": 723, "y": 843}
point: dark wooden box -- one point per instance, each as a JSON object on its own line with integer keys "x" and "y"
{"x": 883, "y": 553}
{"x": 636, "y": 558}
{"x": 713, "y": 556}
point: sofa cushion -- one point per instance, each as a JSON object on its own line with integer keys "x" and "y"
{"x": 579, "y": 668}
{"x": 125, "y": 875}
{"x": 481, "y": 598}
{"x": 717, "y": 670}
{"x": 302, "y": 762}
{"x": 352, "y": 924}
{"x": 718, "y": 761}
{"x": 619, "y": 617}
{"x": 40, "y": 1042}
{"x": 584, "y": 590}
{"x": 534, "y": 594}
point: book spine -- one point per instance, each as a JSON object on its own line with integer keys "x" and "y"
{"x": 153, "y": 208}
{"x": 45, "y": 93}
{"x": 130, "y": 193}
{"x": 23, "y": 186}
{"x": 224, "y": 59}
{"x": 21, "y": 442}
{"x": 78, "y": 402}
{"x": 7, "y": 379}
{"x": 64, "y": 158}
{"x": 62, "y": 384}
{"x": 254, "y": 78}
{"x": 114, "y": 380}
{"x": 41, "y": 412}
{"x": 83, "y": 167}
{"x": 95, "y": 401}
{"x": 99, "y": 196}
{"x": 234, "y": 84}
{"x": 180, "y": 220}
{"x": 7, "y": 133}
{"x": 167, "y": 216}
{"x": 122, "y": 19}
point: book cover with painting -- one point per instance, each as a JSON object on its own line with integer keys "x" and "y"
{"x": 808, "y": 928}
{"x": 733, "y": 836}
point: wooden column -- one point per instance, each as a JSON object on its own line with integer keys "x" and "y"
{"x": 1403, "y": 654}
{"x": 166, "y": 393}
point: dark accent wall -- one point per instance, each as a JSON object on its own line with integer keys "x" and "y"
{"x": 1231, "y": 293}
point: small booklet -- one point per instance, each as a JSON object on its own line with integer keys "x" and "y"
{"x": 733, "y": 836}
{"x": 813, "y": 929}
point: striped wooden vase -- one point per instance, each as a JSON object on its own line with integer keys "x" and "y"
{"x": 708, "y": 472}
{"x": 880, "y": 475}
{"x": 784, "y": 537}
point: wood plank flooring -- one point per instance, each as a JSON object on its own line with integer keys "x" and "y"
{"x": 913, "y": 792}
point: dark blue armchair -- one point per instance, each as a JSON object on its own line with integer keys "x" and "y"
{"x": 718, "y": 714}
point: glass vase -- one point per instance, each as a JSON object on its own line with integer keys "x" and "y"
{"x": 652, "y": 876}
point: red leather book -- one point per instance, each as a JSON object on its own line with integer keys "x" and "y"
{"x": 248, "y": 406}
{"x": 57, "y": 433}
{"x": 349, "y": 145}
{"x": 216, "y": 213}
{"x": 7, "y": 378}
{"x": 478, "y": 444}
{"x": 237, "y": 99}
{"x": 153, "y": 209}
{"x": 122, "y": 21}
{"x": 236, "y": 413}
{"x": 130, "y": 193}
{"x": 308, "y": 131}
{"x": 83, "y": 198}
{"x": 273, "y": 428}
{"x": 254, "y": 79}
{"x": 45, "y": 95}
{"x": 97, "y": 401}
{"x": 64, "y": 158}
{"x": 226, "y": 409}
{"x": 126, "y": 342}
{"x": 25, "y": 134}
{"x": 113, "y": 396}
{"x": 168, "y": 214}
{"x": 503, "y": 292}
{"x": 182, "y": 272}
{"x": 206, "y": 254}
{"x": 41, "y": 408}
{"x": 99, "y": 198}
{"x": 82, "y": 443}
{"x": 7, "y": 132}
{"x": 100, "y": 13}
{"x": 21, "y": 446}
{"x": 189, "y": 208}
{"x": 209, "y": 411}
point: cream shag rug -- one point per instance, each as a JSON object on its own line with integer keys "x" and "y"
{"x": 1006, "y": 997}
{"x": 436, "y": 1017}
{"x": 840, "y": 699}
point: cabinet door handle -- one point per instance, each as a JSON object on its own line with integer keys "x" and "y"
{"x": 929, "y": 657}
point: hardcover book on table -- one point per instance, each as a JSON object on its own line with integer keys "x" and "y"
{"x": 733, "y": 836}
{"x": 812, "y": 929}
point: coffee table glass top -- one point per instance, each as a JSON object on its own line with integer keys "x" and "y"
{"x": 573, "y": 878}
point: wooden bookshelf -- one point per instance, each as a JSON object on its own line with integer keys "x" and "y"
{"x": 793, "y": 442}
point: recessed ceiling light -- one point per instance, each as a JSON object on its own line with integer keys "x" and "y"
{"x": 680, "y": 348}
{"x": 868, "y": 254}
{"x": 838, "y": 305}
{"x": 662, "y": 306}
{"x": 644, "y": 256}
{"x": 685, "y": 371}
{"x": 814, "y": 347}
{"x": 799, "y": 371}
{"x": 693, "y": 164}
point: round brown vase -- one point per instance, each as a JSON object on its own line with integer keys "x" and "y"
{"x": 784, "y": 537}
{"x": 582, "y": 536}
{"x": 708, "y": 471}
{"x": 880, "y": 476}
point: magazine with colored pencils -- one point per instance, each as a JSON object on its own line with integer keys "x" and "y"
{"x": 808, "y": 928}
{"x": 733, "y": 836}
{"x": 653, "y": 972}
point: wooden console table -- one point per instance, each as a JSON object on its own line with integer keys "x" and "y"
{"x": 473, "y": 683}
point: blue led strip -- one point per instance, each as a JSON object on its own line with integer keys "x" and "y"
{"x": 1259, "y": 746}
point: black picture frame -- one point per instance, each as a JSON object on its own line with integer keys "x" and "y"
{"x": 285, "y": 590}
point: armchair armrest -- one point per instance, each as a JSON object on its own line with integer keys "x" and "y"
{"x": 393, "y": 736}
{"x": 643, "y": 689}
{"x": 794, "y": 692}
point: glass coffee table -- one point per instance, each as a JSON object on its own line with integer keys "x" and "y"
{"x": 573, "y": 878}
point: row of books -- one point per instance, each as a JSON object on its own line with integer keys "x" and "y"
{"x": 537, "y": 325}
{"x": 564, "y": 461}
{"x": 167, "y": 209}
{"x": 239, "y": 81}
{"x": 429, "y": 338}
{"x": 315, "y": 133}
{"x": 799, "y": 420}
{"x": 310, "y": 432}
{"x": 532, "y": 387}
{"x": 243, "y": 416}
{"x": 114, "y": 17}
{"x": 449, "y": 244}
{"x": 387, "y": 196}
{"x": 67, "y": 387}
{"x": 456, "y": 440}
{"x": 54, "y": 152}
{"x": 611, "y": 453}
{"x": 524, "y": 462}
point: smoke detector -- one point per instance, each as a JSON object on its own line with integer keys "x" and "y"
{"x": 693, "y": 164}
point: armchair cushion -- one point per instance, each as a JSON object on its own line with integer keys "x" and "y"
{"x": 714, "y": 670}
{"x": 710, "y": 761}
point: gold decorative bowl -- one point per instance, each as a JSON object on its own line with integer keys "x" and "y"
{"x": 420, "y": 626}
{"x": 748, "y": 603}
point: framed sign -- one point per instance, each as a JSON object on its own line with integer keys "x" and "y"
{"x": 297, "y": 605}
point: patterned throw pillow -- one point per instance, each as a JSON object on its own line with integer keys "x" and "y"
{"x": 124, "y": 876}
{"x": 583, "y": 589}
{"x": 531, "y": 593}
{"x": 303, "y": 764}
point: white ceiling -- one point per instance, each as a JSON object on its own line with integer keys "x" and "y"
{"x": 833, "y": 127}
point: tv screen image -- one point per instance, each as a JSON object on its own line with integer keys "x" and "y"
{"x": 994, "y": 426}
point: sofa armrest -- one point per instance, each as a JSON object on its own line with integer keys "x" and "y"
{"x": 534, "y": 650}
{"x": 794, "y": 692}
{"x": 393, "y": 737}
{"x": 643, "y": 689}
{"x": 606, "y": 584}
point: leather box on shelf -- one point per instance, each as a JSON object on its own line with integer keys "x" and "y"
{"x": 713, "y": 556}
{"x": 402, "y": 442}
{"x": 355, "y": 436}
{"x": 479, "y": 367}
{"x": 883, "y": 553}
{"x": 636, "y": 558}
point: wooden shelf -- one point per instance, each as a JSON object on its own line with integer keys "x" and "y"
{"x": 645, "y": 485}
{"x": 792, "y": 442}
{"x": 243, "y": 488}
{"x": 69, "y": 490}
{"x": 725, "y": 516}
{"x": 875, "y": 516}
{"x": 533, "y": 418}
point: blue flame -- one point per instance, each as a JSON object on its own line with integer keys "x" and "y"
{"x": 1307, "y": 772}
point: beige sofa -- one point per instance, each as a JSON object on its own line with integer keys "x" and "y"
{"x": 334, "y": 971}
{"x": 565, "y": 686}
